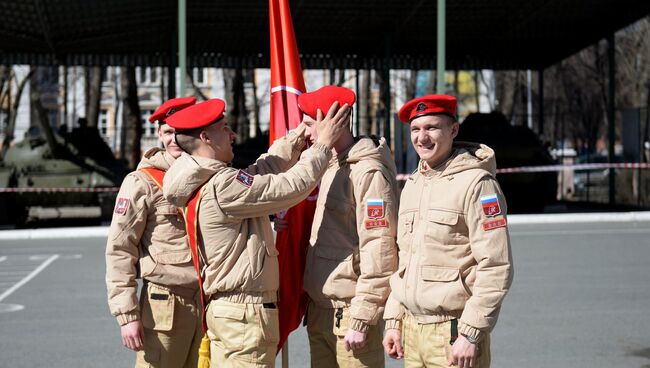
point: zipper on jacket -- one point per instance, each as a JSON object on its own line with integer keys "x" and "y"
{"x": 339, "y": 317}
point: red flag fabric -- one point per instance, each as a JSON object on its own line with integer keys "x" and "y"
{"x": 287, "y": 84}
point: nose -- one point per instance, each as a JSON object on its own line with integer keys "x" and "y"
{"x": 422, "y": 136}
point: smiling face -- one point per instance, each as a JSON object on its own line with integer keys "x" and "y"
{"x": 220, "y": 138}
{"x": 166, "y": 135}
{"x": 432, "y": 137}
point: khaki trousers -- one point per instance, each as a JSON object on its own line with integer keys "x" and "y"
{"x": 242, "y": 335}
{"x": 172, "y": 328}
{"x": 328, "y": 348}
{"x": 427, "y": 345}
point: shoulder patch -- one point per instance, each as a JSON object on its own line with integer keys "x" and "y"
{"x": 121, "y": 206}
{"x": 490, "y": 204}
{"x": 373, "y": 224}
{"x": 245, "y": 178}
{"x": 494, "y": 224}
{"x": 375, "y": 208}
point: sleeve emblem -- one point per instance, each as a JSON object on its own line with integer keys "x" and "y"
{"x": 245, "y": 178}
{"x": 121, "y": 206}
{"x": 494, "y": 224}
{"x": 375, "y": 208}
{"x": 490, "y": 204}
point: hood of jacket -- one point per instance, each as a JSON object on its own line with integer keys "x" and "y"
{"x": 368, "y": 148}
{"x": 186, "y": 175}
{"x": 157, "y": 158}
{"x": 466, "y": 156}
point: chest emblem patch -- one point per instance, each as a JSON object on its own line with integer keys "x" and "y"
{"x": 121, "y": 206}
{"x": 375, "y": 208}
{"x": 245, "y": 178}
{"x": 490, "y": 204}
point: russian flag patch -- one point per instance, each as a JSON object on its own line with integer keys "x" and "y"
{"x": 375, "y": 208}
{"x": 490, "y": 204}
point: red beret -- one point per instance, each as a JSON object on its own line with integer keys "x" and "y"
{"x": 428, "y": 105}
{"x": 197, "y": 116}
{"x": 324, "y": 98}
{"x": 170, "y": 107}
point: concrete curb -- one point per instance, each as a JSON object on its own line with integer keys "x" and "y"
{"x": 560, "y": 218}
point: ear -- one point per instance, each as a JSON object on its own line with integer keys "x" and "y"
{"x": 204, "y": 137}
{"x": 455, "y": 127}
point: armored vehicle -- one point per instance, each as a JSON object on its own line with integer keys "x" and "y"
{"x": 51, "y": 176}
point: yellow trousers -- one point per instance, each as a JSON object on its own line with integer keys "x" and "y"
{"x": 242, "y": 335}
{"x": 328, "y": 348}
{"x": 427, "y": 345}
{"x": 172, "y": 328}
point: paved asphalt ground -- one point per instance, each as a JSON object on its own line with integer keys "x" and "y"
{"x": 581, "y": 298}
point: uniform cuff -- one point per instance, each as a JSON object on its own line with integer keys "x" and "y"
{"x": 393, "y": 324}
{"x": 467, "y": 330}
{"x": 358, "y": 325}
{"x": 298, "y": 142}
{"x": 125, "y": 318}
{"x": 323, "y": 148}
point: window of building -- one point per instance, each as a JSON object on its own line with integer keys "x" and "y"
{"x": 148, "y": 129}
{"x": 200, "y": 76}
{"x": 102, "y": 122}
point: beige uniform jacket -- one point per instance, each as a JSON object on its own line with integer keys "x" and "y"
{"x": 353, "y": 251}
{"x": 454, "y": 247}
{"x": 240, "y": 257}
{"x": 146, "y": 239}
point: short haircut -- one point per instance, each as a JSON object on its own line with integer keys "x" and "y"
{"x": 188, "y": 140}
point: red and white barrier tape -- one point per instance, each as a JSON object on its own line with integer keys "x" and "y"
{"x": 60, "y": 190}
{"x": 551, "y": 168}
{"x": 509, "y": 170}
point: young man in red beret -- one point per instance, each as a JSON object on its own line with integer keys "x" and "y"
{"x": 147, "y": 240}
{"x": 455, "y": 265}
{"x": 352, "y": 249}
{"x": 239, "y": 258}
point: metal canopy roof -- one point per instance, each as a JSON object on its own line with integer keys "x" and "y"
{"x": 497, "y": 34}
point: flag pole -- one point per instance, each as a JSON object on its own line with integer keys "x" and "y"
{"x": 285, "y": 355}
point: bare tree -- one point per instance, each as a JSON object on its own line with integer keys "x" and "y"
{"x": 132, "y": 124}
{"x": 93, "y": 94}
{"x": 12, "y": 106}
{"x": 236, "y": 114}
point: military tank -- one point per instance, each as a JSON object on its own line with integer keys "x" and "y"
{"x": 50, "y": 176}
{"x": 514, "y": 146}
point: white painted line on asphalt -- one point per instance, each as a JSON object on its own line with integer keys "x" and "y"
{"x": 580, "y": 232}
{"x": 72, "y": 256}
{"x": 27, "y": 278}
{"x": 555, "y": 218}
{"x": 39, "y": 257}
{"x": 568, "y": 218}
{"x": 3, "y": 258}
{"x": 60, "y": 233}
{"x": 11, "y": 307}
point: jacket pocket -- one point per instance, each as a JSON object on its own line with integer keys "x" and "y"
{"x": 405, "y": 225}
{"x": 443, "y": 227}
{"x": 338, "y": 216}
{"x": 172, "y": 256}
{"x": 147, "y": 266}
{"x": 440, "y": 289}
{"x": 228, "y": 323}
{"x": 333, "y": 270}
{"x": 158, "y": 309}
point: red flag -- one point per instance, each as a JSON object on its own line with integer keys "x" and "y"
{"x": 287, "y": 84}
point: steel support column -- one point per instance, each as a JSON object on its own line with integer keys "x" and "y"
{"x": 182, "y": 46}
{"x": 440, "y": 68}
{"x": 611, "y": 115}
